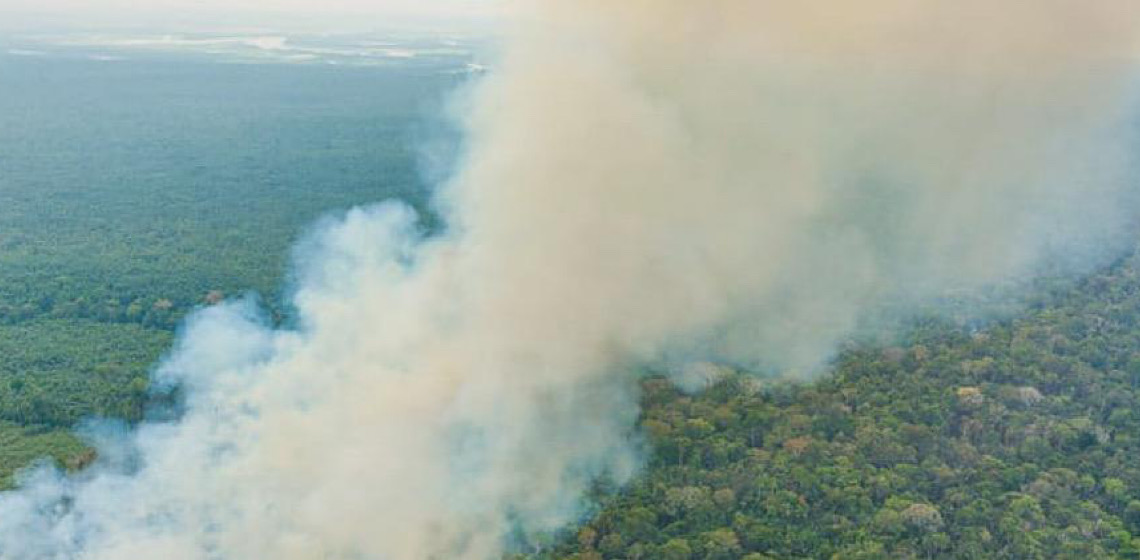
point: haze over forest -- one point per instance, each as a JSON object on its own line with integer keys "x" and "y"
{"x": 282, "y": 15}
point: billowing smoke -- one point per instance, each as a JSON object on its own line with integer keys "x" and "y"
{"x": 645, "y": 182}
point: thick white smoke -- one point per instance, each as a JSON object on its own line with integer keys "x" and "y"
{"x": 645, "y": 180}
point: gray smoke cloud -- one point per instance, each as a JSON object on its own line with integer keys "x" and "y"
{"x": 645, "y": 182}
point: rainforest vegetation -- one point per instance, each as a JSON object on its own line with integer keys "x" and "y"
{"x": 1016, "y": 439}
{"x": 133, "y": 194}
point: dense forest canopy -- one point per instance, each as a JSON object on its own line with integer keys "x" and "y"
{"x": 1017, "y": 439}
{"x": 133, "y": 194}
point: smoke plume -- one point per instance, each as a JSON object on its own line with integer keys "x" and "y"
{"x": 644, "y": 181}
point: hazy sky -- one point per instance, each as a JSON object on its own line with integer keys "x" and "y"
{"x": 30, "y": 15}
